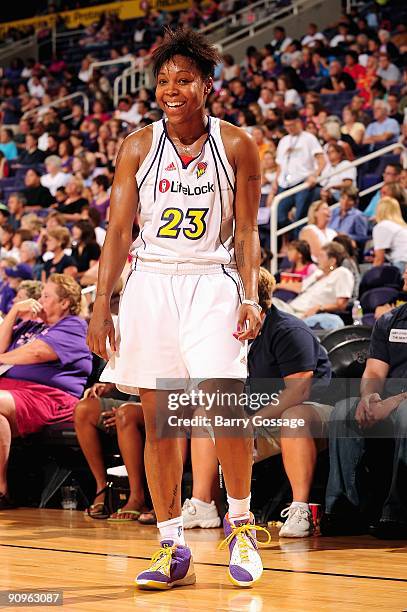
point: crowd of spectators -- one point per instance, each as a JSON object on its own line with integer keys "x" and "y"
{"x": 312, "y": 106}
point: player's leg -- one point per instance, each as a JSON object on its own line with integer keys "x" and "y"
{"x": 172, "y": 565}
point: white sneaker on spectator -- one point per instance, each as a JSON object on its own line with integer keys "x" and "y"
{"x": 200, "y": 514}
{"x": 298, "y": 524}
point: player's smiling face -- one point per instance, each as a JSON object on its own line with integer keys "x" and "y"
{"x": 181, "y": 89}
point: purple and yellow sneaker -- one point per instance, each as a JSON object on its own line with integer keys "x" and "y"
{"x": 245, "y": 566}
{"x": 171, "y": 566}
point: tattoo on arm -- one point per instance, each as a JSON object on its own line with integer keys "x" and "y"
{"x": 240, "y": 254}
{"x": 172, "y": 504}
{"x": 253, "y": 177}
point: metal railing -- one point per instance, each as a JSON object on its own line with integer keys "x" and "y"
{"x": 138, "y": 80}
{"x": 12, "y": 49}
{"x": 236, "y": 18}
{"x": 258, "y": 25}
{"x": 58, "y": 101}
{"x": 120, "y": 60}
{"x": 275, "y": 232}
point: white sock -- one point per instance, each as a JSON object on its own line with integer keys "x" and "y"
{"x": 172, "y": 530}
{"x": 199, "y": 502}
{"x": 304, "y": 505}
{"x": 239, "y": 509}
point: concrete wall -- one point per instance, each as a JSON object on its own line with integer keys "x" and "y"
{"x": 322, "y": 13}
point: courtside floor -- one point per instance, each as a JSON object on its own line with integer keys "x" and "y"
{"x": 94, "y": 563}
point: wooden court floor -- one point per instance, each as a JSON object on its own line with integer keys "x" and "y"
{"x": 94, "y": 563}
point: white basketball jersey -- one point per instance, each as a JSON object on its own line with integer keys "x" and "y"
{"x": 186, "y": 210}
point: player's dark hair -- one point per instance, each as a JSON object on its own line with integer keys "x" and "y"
{"x": 189, "y": 44}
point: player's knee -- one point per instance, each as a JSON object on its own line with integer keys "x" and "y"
{"x": 128, "y": 415}
{"x": 87, "y": 411}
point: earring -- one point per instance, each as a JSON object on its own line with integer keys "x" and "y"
{"x": 331, "y": 268}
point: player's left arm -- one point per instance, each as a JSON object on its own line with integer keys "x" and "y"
{"x": 247, "y": 244}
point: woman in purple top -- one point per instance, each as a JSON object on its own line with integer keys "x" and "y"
{"x": 101, "y": 199}
{"x": 49, "y": 363}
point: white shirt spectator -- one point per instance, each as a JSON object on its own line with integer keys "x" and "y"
{"x": 310, "y": 39}
{"x": 344, "y": 170}
{"x": 36, "y": 90}
{"x": 292, "y": 98}
{"x": 391, "y": 236}
{"x": 100, "y": 235}
{"x": 324, "y": 235}
{"x": 60, "y": 179}
{"x": 319, "y": 291}
{"x": 391, "y": 73}
{"x": 130, "y": 116}
{"x": 296, "y": 158}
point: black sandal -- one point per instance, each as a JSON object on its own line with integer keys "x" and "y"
{"x": 104, "y": 511}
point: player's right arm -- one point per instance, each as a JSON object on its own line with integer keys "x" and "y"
{"x": 124, "y": 201}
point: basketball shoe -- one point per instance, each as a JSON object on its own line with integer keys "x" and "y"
{"x": 245, "y": 566}
{"x": 171, "y": 566}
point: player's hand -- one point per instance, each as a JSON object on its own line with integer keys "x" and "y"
{"x": 248, "y": 323}
{"x": 101, "y": 329}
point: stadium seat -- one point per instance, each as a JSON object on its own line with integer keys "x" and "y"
{"x": 349, "y": 332}
{"x": 380, "y": 276}
{"x": 348, "y": 359}
{"x": 377, "y": 297}
{"x": 285, "y": 295}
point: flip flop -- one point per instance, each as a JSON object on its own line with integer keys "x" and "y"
{"x": 150, "y": 519}
{"x": 103, "y": 513}
{"x": 134, "y": 513}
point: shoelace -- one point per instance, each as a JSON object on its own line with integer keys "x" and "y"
{"x": 297, "y": 513}
{"x": 242, "y": 535}
{"x": 161, "y": 560}
{"x": 189, "y": 506}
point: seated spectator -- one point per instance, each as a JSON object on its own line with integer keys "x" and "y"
{"x": 292, "y": 98}
{"x": 16, "y": 204}
{"x": 318, "y": 233}
{"x": 368, "y": 81}
{"x": 241, "y": 94}
{"x": 380, "y": 412}
{"x": 288, "y": 359}
{"x": 352, "y": 66}
{"x": 7, "y": 145}
{"x": 391, "y": 175}
{"x": 390, "y": 235}
{"x": 351, "y": 260}
{"x": 338, "y": 172}
{"x": 55, "y": 177}
{"x": 85, "y": 249}
{"x": 299, "y": 158}
{"x": 394, "y": 113}
{"x": 6, "y": 239}
{"x": 351, "y": 126}
{"x": 280, "y": 41}
{"x": 37, "y": 196}
{"x": 343, "y": 37}
{"x": 31, "y": 154}
{"x": 97, "y": 412}
{"x": 326, "y": 291}
{"x": 347, "y": 219}
{"x": 388, "y": 72}
{"x": 49, "y": 365}
{"x": 72, "y": 206}
{"x": 313, "y": 36}
{"x": 13, "y": 277}
{"x": 58, "y": 240}
{"x": 65, "y": 152}
{"x": 29, "y": 255}
{"x": 101, "y": 198}
{"x": 230, "y": 69}
{"x": 299, "y": 256}
{"x": 383, "y": 131}
{"x": 338, "y": 80}
{"x": 28, "y": 290}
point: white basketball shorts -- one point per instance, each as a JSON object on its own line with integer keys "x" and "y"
{"x": 176, "y": 322}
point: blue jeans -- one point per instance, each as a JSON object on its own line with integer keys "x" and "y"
{"x": 347, "y": 448}
{"x": 301, "y": 201}
{"x": 325, "y": 320}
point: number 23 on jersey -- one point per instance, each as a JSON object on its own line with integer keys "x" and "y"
{"x": 174, "y": 222}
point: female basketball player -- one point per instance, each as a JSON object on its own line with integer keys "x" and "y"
{"x": 194, "y": 182}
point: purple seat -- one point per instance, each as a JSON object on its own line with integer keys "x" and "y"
{"x": 377, "y": 297}
{"x": 284, "y": 294}
{"x": 380, "y": 276}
